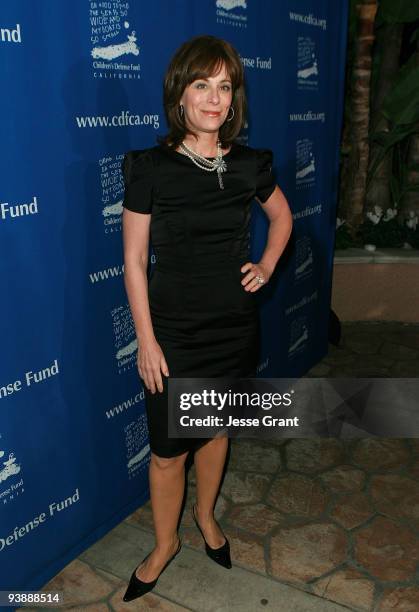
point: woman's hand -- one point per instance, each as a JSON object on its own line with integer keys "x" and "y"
{"x": 151, "y": 363}
{"x": 254, "y": 272}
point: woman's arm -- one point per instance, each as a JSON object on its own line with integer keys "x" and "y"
{"x": 280, "y": 226}
{"x": 136, "y": 230}
{"x": 151, "y": 362}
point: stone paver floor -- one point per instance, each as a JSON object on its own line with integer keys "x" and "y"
{"x": 335, "y": 518}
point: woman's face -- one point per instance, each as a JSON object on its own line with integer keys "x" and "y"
{"x": 206, "y": 102}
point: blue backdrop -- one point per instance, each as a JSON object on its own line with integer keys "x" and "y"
{"x": 82, "y": 84}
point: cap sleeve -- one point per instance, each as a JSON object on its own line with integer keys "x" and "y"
{"x": 265, "y": 180}
{"x": 137, "y": 170}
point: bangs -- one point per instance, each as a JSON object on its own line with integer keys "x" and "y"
{"x": 206, "y": 66}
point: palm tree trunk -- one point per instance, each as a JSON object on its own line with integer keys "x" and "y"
{"x": 387, "y": 51}
{"x": 358, "y": 158}
{"x": 410, "y": 201}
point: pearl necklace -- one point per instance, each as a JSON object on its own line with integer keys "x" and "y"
{"x": 205, "y": 164}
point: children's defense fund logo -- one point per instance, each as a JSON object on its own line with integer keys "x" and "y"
{"x": 307, "y": 66}
{"x": 303, "y": 259}
{"x": 114, "y": 43}
{"x": 9, "y": 467}
{"x": 298, "y": 336}
{"x": 305, "y": 173}
{"x": 137, "y": 445}
{"x": 112, "y": 189}
{"x": 124, "y": 337}
{"x": 231, "y": 13}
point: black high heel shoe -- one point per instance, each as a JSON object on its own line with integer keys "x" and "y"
{"x": 137, "y": 588}
{"x": 220, "y": 555}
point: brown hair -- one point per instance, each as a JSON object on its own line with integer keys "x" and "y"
{"x": 202, "y": 57}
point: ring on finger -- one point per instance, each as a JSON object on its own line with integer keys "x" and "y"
{"x": 260, "y": 279}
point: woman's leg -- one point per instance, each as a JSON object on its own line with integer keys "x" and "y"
{"x": 167, "y": 486}
{"x": 209, "y": 463}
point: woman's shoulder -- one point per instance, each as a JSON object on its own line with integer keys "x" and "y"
{"x": 258, "y": 155}
{"x": 140, "y": 155}
{"x": 255, "y": 151}
{"x": 138, "y": 162}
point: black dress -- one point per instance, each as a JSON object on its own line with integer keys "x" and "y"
{"x": 205, "y": 322}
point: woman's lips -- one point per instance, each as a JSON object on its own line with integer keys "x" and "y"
{"x": 212, "y": 113}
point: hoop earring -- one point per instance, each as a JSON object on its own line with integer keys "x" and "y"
{"x": 231, "y": 115}
{"x": 181, "y": 111}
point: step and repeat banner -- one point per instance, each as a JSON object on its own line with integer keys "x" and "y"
{"x": 81, "y": 85}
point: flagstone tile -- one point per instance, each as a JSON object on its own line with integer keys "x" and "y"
{"x": 404, "y": 336}
{"x": 406, "y": 369}
{"x": 343, "y": 479}
{"x": 347, "y": 587}
{"x": 387, "y": 550}
{"x": 80, "y": 584}
{"x": 402, "y": 599}
{"x": 191, "y": 536}
{"x": 399, "y": 351}
{"x": 339, "y": 356}
{"x": 413, "y": 469}
{"x": 311, "y": 455}
{"x": 414, "y": 445}
{"x": 352, "y": 510}
{"x": 320, "y": 370}
{"x": 97, "y": 607}
{"x": 378, "y": 454}
{"x": 113, "y": 580}
{"x": 146, "y": 603}
{"x": 143, "y": 517}
{"x": 94, "y": 607}
{"x": 258, "y": 519}
{"x": 246, "y": 550}
{"x": 396, "y": 496}
{"x": 363, "y": 343}
{"x": 220, "y": 508}
{"x": 373, "y": 361}
{"x": 362, "y": 370}
{"x": 297, "y": 495}
{"x": 303, "y": 552}
{"x": 242, "y": 487}
{"x": 252, "y": 455}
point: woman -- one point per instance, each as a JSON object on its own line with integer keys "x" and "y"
{"x": 198, "y": 316}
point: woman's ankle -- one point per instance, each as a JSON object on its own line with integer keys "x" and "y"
{"x": 167, "y": 545}
{"x": 204, "y": 514}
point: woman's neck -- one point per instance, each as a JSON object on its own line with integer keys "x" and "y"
{"x": 205, "y": 145}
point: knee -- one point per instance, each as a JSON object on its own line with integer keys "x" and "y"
{"x": 168, "y": 463}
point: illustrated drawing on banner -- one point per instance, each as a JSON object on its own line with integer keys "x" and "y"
{"x": 307, "y": 65}
{"x": 114, "y": 43}
{"x": 124, "y": 337}
{"x": 112, "y": 187}
{"x": 137, "y": 445}
{"x": 298, "y": 338}
{"x": 231, "y": 13}
{"x": 303, "y": 259}
{"x": 9, "y": 468}
{"x": 305, "y": 174}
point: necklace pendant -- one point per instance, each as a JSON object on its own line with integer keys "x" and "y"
{"x": 220, "y": 164}
{"x": 220, "y": 179}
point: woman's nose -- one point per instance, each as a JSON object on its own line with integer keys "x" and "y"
{"x": 214, "y": 96}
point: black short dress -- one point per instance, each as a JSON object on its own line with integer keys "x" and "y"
{"x": 205, "y": 322}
